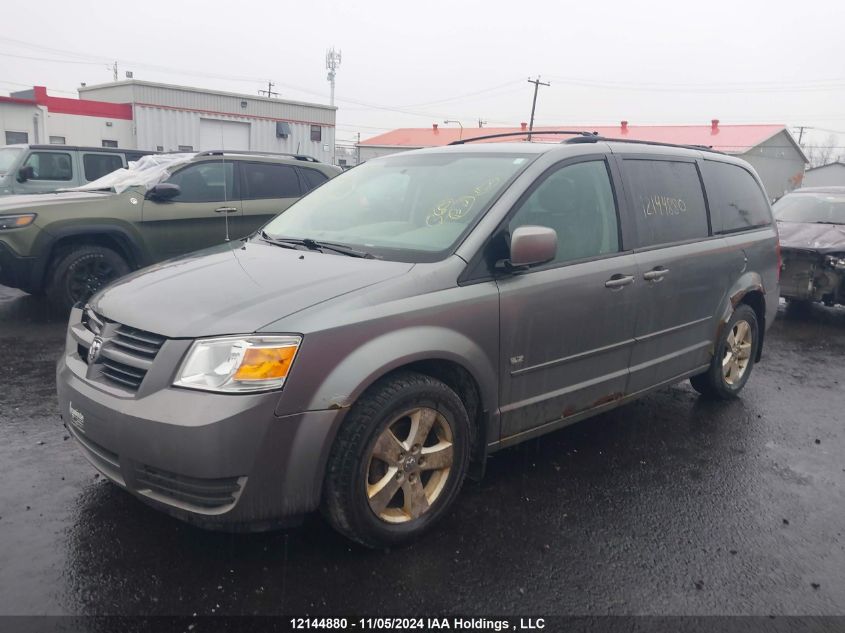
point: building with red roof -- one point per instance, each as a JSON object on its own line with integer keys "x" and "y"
{"x": 770, "y": 148}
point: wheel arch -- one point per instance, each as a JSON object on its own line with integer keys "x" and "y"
{"x": 748, "y": 290}
{"x": 444, "y": 354}
{"x": 115, "y": 237}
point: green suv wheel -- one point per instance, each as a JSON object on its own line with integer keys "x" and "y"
{"x": 81, "y": 271}
{"x": 398, "y": 461}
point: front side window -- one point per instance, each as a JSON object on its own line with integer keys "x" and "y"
{"x": 736, "y": 200}
{"x": 205, "y": 182}
{"x": 266, "y": 180}
{"x": 821, "y": 208}
{"x": 577, "y": 202}
{"x": 50, "y": 166}
{"x": 404, "y": 207}
{"x": 98, "y": 165}
{"x": 668, "y": 201}
{"x": 14, "y": 138}
{"x": 8, "y": 158}
{"x": 316, "y": 133}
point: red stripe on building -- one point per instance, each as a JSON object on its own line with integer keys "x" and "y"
{"x": 82, "y": 107}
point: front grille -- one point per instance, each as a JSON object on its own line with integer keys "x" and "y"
{"x": 127, "y": 353}
{"x": 207, "y": 494}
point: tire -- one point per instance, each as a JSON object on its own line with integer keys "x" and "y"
{"x": 726, "y": 381}
{"x": 358, "y": 496}
{"x": 80, "y": 271}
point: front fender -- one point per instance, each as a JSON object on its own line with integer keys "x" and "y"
{"x": 378, "y": 356}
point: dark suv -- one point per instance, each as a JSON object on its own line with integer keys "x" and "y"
{"x": 413, "y": 315}
{"x": 72, "y": 242}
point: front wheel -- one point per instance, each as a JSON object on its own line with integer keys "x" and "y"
{"x": 733, "y": 360}
{"x": 82, "y": 270}
{"x": 398, "y": 461}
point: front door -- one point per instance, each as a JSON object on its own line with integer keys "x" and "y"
{"x": 207, "y": 208}
{"x": 567, "y": 327}
{"x": 49, "y": 170}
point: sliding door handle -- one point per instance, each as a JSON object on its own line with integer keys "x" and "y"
{"x": 226, "y": 210}
{"x": 619, "y": 281}
{"x": 656, "y": 274}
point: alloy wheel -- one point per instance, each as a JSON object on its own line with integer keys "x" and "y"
{"x": 737, "y": 352}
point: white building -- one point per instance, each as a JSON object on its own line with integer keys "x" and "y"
{"x": 832, "y": 174}
{"x": 144, "y": 115}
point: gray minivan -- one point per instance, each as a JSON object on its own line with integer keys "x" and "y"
{"x": 376, "y": 341}
{"x": 41, "y": 168}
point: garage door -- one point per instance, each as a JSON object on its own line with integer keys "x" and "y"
{"x": 229, "y": 135}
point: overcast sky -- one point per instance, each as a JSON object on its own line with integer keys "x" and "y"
{"x": 413, "y": 63}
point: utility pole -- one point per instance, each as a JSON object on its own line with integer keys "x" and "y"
{"x": 332, "y": 64}
{"x": 114, "y": 70}
{"x": 800, "y": 134}
{"x": 481, "y": 123}
{"x": 537, "y": 83}
{"x": 269, "y": 92}
{"x": 358, "y": 150}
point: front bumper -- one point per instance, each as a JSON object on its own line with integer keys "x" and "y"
{"x": 16, "y": 271}
{"x": 214, "y": 460}
{"x": 806, "y": 277}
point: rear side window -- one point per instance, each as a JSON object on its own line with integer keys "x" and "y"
{"x": 312, "y": 178}
{"x": 50, "y": 166}
{"x": 266, "y": 180}
{"x": 736, "y": 201}
{"x": 98, "y": 165}
{"x": 668, "y": 201}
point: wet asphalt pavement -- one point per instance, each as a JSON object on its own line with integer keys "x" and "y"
{"x": 670, "y": 505}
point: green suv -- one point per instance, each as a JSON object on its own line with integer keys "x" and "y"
{"x": 70, "y": 243}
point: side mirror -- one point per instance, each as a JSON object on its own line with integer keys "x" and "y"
{"x": 532, "y": 245}
{"x": 163, "y": 191}
{"x": 26, "y": 173}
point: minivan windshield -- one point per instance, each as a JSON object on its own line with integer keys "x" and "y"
{"x": 8, "y": 158}
{"x": 825, "y": 208}
{"x": 407, "y": 207}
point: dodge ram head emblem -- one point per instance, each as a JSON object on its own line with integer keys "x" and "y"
{"x": 94, "y": 352}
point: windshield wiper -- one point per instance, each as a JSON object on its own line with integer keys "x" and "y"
{"x": 314, "y": 245}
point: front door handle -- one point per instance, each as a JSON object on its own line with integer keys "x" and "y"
{"x": 656, "y": 274}
{"x": 619, "y": 281}
{"x": 226, "y": 210}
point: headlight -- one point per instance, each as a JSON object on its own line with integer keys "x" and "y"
{"x": 836, "y": 261}
{"x": 238, "y": 364}
{"x": 16, "y": 221}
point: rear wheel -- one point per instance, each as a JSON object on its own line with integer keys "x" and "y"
{"x": 82, "y": 270}
{"x": 734, "y": 356}
{"x": 398, "y": 461}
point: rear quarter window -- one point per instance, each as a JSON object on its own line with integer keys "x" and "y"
{"x": 668, "y": 201}
{"x": 737, "y": 203}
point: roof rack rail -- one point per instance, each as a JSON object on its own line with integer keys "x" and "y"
{"x": 221, "y": 152}
{"x": 524, "y": 133}
{"x": 596, "y": 138}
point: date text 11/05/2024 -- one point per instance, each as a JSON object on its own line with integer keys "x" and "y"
{"x": 422, "y": 624}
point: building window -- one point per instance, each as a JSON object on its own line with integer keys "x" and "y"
{"x": 316, "y": 133}
{"x": 57, "y": 140}
{"x": 16, "y": 137}
{"x": 109, "y": 143}
{"x": 159, "y": 148}
{"x": 186, "y": 148}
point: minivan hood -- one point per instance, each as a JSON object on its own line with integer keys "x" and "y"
{"x": 809, "y": 236}
{"x": 235, "y": 288}
{"x": 31, "y": 200}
